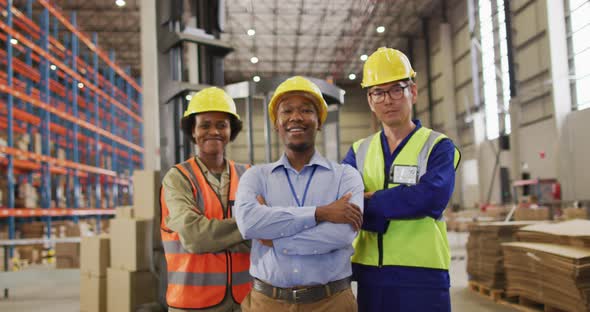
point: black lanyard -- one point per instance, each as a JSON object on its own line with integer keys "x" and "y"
{"x": 300, "y": 204}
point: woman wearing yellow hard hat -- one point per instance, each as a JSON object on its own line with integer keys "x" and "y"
{"x": 207, "y": 258}
{"x": 402, "y": 253}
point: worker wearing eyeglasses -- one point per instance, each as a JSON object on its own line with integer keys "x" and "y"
{"x": 402, "y": 255}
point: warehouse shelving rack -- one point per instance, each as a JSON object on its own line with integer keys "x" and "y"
{"x": 84, "y": 111}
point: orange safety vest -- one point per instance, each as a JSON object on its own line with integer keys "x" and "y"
{"x": 197, "y": 281}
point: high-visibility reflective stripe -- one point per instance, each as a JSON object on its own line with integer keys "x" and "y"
{"x": 175, "y": 247}
{"x": 211, "y": 205}
{"x": 425, "y": 151}
{"x": 197, "y": 279}
{"x": 361, "y": 153}
{"x": 240, "y": 169}
{"x": 198, "y": 263}
{"x": 239, "y": 278}
{"x": 189, "y": 173}
{"x": 194, "y": 297}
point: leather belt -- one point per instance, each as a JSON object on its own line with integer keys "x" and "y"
{"x": 309, "y": 294}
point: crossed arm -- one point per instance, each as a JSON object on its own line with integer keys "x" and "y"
{"x": 197, "y": 233}
{"x": 428, "y": 198}
{"x": 300, "y": 230}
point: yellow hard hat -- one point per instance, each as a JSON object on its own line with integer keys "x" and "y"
{"x": 211, "y": 99}
{"x": 298, "y": 83}
{"x": 386, "y": 65}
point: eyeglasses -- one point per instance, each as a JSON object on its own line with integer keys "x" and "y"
{"x": 395, "y": 93}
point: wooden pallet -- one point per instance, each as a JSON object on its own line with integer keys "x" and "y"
{"x": 525, "y": 304}
{"x": 520, "y": 303}
{"x": 491, "y": 293}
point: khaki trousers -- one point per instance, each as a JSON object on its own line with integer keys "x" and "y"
{"x": 343, "y": 301}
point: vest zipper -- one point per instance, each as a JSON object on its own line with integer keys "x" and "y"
{"x": 380, "y": 248}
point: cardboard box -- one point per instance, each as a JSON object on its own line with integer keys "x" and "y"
{"x": 37, "y": 143}
{"x": 125, "y": 212}
{"x": 95, "y": 255}
{"x": 67, "y": 255}
{"x": 146, "y": 193}
{"x": 61, "y": 154}
{"x": 32, "y": 230}
{"x": 131, "y": 244}
{"x": 126, "y": 290}
{"x": 93, "y": 293}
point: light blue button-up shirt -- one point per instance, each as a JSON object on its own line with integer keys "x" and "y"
{"x": 304, "y": 253}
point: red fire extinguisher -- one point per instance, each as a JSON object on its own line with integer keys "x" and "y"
{"x": 556, "y": 191}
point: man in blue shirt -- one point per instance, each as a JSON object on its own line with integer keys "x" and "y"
{"x": 402, "y": 255}
{"x": 301, "y": 212}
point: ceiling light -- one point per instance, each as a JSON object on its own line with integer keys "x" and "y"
{"x": 254, "y": 60}
{"x": 364, "y": 57}
{"x": 80, "y": 85}
{"x": 380, "y": 29}
{"x": 352, "y": 76}
{"x": 188, "y": 97}
{"x": 256, "y": 78}
{"x": 120, "y": 3}
{"x": 13, "y": 41}
{"x": 53, "y": 67}
{"x": 251, "y": 32}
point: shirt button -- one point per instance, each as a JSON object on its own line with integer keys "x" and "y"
{"x": 315, "y": 251}
{"x": 282, "y": 234}
{"x": 305, "y": 226}
{"x": 295, "y": 271}
{"x": 284, "y": 251}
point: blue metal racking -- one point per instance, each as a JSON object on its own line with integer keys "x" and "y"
{"x": 53, "y": 87}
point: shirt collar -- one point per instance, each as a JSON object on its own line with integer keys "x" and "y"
{"x": 403, "y": 142}
{"x": 206, "y": 171}
{"x": 418, "y": 124}
{"x": 316, "y": 159}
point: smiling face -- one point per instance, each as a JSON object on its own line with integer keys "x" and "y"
{"x": 297, "y": 122}
{"x": 212, "y": 132}
{"x": 389, "y": 109}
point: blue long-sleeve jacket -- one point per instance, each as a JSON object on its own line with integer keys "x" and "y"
{"x": 427, "y": 198}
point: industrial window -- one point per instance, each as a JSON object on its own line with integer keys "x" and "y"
{"x": 578, "y": 23}
{"x": 495, "y": 76}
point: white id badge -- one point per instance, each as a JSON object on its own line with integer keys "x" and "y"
{"x": 400, "y": 174}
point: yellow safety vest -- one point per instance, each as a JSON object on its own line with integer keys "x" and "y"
{"x": 420, "y": 242}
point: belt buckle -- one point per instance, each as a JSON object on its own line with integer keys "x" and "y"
{"x": 297, "y": 293}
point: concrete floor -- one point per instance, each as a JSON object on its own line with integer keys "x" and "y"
{"x": 61, "y": 294}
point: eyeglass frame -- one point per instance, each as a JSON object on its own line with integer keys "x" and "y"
{"x": 388, "y": 91}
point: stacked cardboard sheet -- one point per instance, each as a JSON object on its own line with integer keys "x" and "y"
{"x": 537, "y": 213}
{"x": 555, "y": 275}
{"x": 572, "y": 232}
{"x": 484, "y": 251}
{"x": 551, "y": 264}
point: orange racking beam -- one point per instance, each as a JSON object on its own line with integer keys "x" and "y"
{"x": 54, "y": 212}
{"x": 54, "y": 128}
{"x": 26, "y": 165}
{"x": 53, "y": 10}
{"x": 4, "y": 88}
{"x": 32, "y": 73}
{"x": 61, "y": 106}
{"x": 54, "y": 161}
{"x": 66, "y": 69}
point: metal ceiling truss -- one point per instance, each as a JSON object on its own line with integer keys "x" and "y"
{"x": 318, "y": 38}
